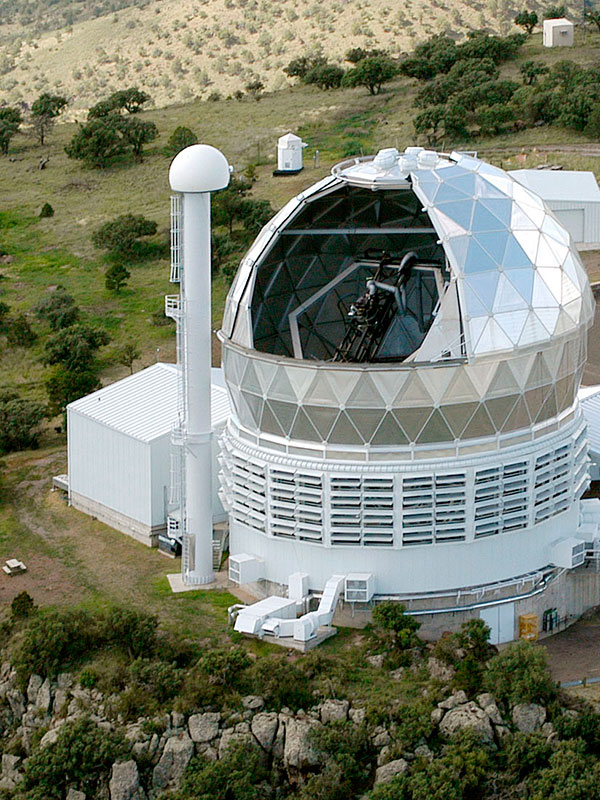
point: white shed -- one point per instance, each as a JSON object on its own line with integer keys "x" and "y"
{"x": 289, "y": 153}
{"x": 558, "y": 32}
{"x": 573, "y": 196}
{"x": 119, "y": 449}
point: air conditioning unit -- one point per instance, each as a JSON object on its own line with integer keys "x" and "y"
{"x": 568, "y": 552}
{"x": 244, "y": 568}
{"x": 359, "y": 587}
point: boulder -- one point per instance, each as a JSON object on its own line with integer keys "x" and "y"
{"x": 16, "y": 701}
{"x": 334, "y": 710}
{"x": 528, "y": 717}
{"x": 264, "y": 727}
{"x": 468, "y": 715}
{"x": 298, "y": 753}
{"x": 176, "y": 756}
{"x": 439, "y": 670}
{"x": 456, "y": 699}
{"x": 10, "y": 774}
{"x": 253, "y": 702}
{"x": 44, "y": 697}
{"x": 125, "y": 782}
{"x": 376, "y": 661}
{"x": 33, "y": 687}
{"x": 204, "y": 727}
{"x": 177, "y": 720}
{"x": 49, "y": 738}
{"x": 357, "y": 715}
{"x": 436, "y": 715}
{"x": 73, "y": 794}
{"x": 382, "y": 739}
{"x": 388, "y": 771}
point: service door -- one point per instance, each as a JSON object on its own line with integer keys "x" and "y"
{"x": 573, "y": 220}
{"x": 501, "y": 620}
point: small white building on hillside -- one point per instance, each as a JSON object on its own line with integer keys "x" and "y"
{"x": 558, "y": 32}
{"x": 573, "y": 196}
{"x": 120, "y": 453}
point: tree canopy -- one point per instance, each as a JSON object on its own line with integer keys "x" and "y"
{"x": 44, "y": 112}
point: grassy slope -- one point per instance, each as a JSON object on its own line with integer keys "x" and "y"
{"x": 61, "y": 545}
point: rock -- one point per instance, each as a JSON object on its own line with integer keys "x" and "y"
{"x": 388, "y": 771}
{"x": 125, "y": 782}
{"x": 44, "y": 697}
{"x": 381, "y": 739}
{"x": 64, "y": 681}
{"x": 61, "y": 697}
{"x": 73, "y": 794}
{"x": 253, "y": 702}
{"x": 423, "y": 751}
{"x": 49, "y": 738}
{"x": 298, "y": 754}
{"x": 334, "y": 710}
{"x": 377, "y": 660}
{"x": 33, "y": 687}
{"x": 264, "y": 727}
{"x": 468, "y": 715}
{"x": 16, "y": 701}
{"x": 439, "y": 670}
{"x": 207, "y": 751}
{"x": 456, "y": 699}
{"x": 10, "y": 774}
{"x": 528, "y": 717}
{"x": 204, "y": 727}
{"x": 169, "y": 771}
{"x": 485, "y": 699}
{"x": 231, "y": 736}
{"x": 177, "y": 720}
{"x": 397, "y": 674}
{"x": 384, "y": 756}
{"x": 502, "y": 731}
{"x": 436, "y": 715}
{"x": 357, "y": 715}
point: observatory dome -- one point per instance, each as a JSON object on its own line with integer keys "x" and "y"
{"x": 403, "y": 334}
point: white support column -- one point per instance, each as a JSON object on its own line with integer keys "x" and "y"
{"x": 196, "y": 172}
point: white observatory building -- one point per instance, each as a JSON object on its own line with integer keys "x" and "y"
{"x": 403, "y": 345}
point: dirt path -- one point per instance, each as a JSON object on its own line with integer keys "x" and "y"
{"x": 574, "y": 654}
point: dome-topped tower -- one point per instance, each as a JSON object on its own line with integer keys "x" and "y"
{"x": 403, "y": 345}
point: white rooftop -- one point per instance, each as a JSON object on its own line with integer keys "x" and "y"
{"x": 145, "y": 405}
{"x": 589, "y": 397}
{"x": 568, "y": 185}
{"x": 557, "y": 21}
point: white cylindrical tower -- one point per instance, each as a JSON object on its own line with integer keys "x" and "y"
{"x": 195, "y": 173}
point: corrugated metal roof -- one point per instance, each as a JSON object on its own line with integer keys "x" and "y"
{"x": 590, "y": 405}
{"x": 145, "y": 405}
{"x": 565, "y": 185}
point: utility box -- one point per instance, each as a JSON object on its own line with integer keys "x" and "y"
{"x": 568, "y": 552}
{"x": 359, "y": 587}
{"x": 244, "y": 568}
{"x": 558, "y": 32}
{"x": 298, "y": 585}
{"x": 528, "y": 627}
{"x": 289, "y": 155}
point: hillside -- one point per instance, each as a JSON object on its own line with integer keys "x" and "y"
{"x": 182, "y": 50}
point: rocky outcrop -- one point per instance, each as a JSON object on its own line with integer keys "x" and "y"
{"x": 176, "y": 756}
{"x": 468, "y": 716}
{"x": 264, "y": 729}
{"x": 299, "y": 754}
{"x": 204, "y": 727}
{"x": 528, "y": 717}
{"x": 10, "y": 775}
{"x": 334, "y": 710}
{"x": 440, "y": 671}
{"x": 388, "y": 771}
{"x": 125, "y": 782}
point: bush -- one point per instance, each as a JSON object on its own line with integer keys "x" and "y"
{"x": 75, "y": 348}
{"x": 46, "y": 211}
{"x": 181, "y": 138}
{"x": 116, "y": 277}
{"x": 19, "y": 422}
{"x": 281, "y": 684}
{"x": 22, "y": 606}
{"x": 570, "y": 775}
{"x": 347, "y": 753}
{"x": 121, "y": 236}
{"x": 397, "y": 628}
{"x": 81, "y": 757}
{"x": 225, "y": 667}
{"x": 525, "y": 754}
{"x": 64, "y": 386}
{"x": 240, "y": 775}
{"x": 372, "y": 73}
{"x": 585, "y": 726}
{"x": 519, "y": 674}
{"x": 58, "y": 309}
{"x": 133, "y": 632}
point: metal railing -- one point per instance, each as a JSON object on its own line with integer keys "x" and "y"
{"x": 176, "y": 237}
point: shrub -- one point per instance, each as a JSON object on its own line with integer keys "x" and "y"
{"x": 281, "y": 684}
{"x": 75, "y": 348}
{"x": 240, "y": 775}
{"x": 346, "y": 752}
{"x": 525, "y": 754}
{"x": 584, "y": 726}
{"x": 519, "y": 674}
{"x": 225, "y": 667}
{"x": 570, "y": 775}
{"x": 64, "y": 386}
{"x": 22, "y": 606}
{"x": 19, "y": 422}
{"x": 46, "y": 211}
{"x": 121, "y": 236}
{"x": 58, "y": 309}
{"x": 81, "y": 757}
{"x": 372, "y": 73}
{"x": 397, "y": 628}
{"x": 133, "y": 632}
{"x": 181, "y": 138}
{"x": 116, "y": 277}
